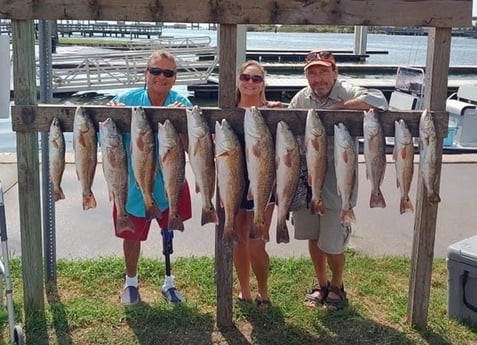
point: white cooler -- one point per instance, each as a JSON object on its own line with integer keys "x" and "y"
{"x": 462, "y": 280}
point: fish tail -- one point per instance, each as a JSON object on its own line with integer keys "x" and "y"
{"x": 175, "y": 222}
{"x": 260, "y": 231}
{"x": 433, "y": 197}
{"x": 124, "y": 223}
{"x": 282, "y": 232}
{"x": 89, "y": 201}
{"x": 317, "y": 207}
{"x": 58, "y": 194}
{"x": 230, "y": 237}
{"x": 406, "y": 205}
{"x": 209, "y": 215}
{"x": 377, "y": 199}
{"x": 152, "y": 211}
{"x": 347, "y": 216}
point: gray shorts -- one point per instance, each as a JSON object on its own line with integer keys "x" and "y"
{"x": 332, "y": 236}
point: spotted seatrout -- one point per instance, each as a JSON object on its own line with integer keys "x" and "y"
{"x": 56, "y": 151}
{"x": 287, "y": 161}
{"x": 115, "y": 171}
{"x": 201, "y": 158}
{"x": 85, "y": 145}
{"x": 374, "y": 156}
{"x": 428, "y": 155}
{"x": 316, "y": 159}
{"x": 143, "y": 160}
{"x": 172, "y": 160}
{"x": 403, "y": 154}
{"x": 259, "y": 154}
{"x": 230, "y": 164}
{"x": 345, "y": 166}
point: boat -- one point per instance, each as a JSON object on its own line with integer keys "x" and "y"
{"x": 461, "y": 106}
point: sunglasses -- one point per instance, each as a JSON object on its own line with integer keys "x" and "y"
{"x": 158, "y": 71}
{"x": 319, "y": 55}
{"x": 255, "y": 78}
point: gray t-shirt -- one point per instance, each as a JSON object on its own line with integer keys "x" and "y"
{"x": 305, "y": 98}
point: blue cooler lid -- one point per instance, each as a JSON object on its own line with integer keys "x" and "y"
{"x": 464, "y": 251}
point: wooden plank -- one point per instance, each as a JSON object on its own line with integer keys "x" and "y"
{"x": 223, "y": 254}
{"x": 438, "y": 54}
{"x": 38, "y": 118}
{"x": 432, "y": 13}
{"x": 28, "y": 174}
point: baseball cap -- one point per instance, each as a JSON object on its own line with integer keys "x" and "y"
{"x": 319, "y": 57}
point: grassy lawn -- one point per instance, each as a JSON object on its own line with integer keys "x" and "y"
{"x": 84, "y": 308}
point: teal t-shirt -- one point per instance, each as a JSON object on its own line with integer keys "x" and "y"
{"x": 135, "y": 202}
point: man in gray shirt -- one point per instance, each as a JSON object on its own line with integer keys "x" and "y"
{"x": 327, "y": 236}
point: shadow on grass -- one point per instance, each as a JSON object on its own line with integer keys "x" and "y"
{"x": 349, "y": 326}
{"x": 167, "y": 324}
{"x": 59, "y": 316}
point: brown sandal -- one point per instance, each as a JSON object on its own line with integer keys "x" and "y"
{"x": 336, "y": 303}
{"x": 312, "y": 300}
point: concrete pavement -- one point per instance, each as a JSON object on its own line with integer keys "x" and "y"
{"x": 378, "y": 232}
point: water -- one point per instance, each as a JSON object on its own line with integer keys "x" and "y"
{"x": 402, "y": 50}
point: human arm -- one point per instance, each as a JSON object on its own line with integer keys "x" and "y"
{"x": 349, "y": 96}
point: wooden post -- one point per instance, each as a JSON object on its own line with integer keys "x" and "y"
{"x": 223, "y": 254}
{"x": 24, "y": 82}
{"x": 437, "y": 68}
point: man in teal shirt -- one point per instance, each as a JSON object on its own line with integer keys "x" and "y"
{"x": 160, "y": 77}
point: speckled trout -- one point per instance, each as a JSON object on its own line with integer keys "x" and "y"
{"x": 374, "y": 156}
{"x": 345, "y": 166}
{"x": 201, "y": 158}
{"x": 428, "y": 155}
{"x": 287, "y": 161}
{"x": 115, "y": 171}
{"x": 56, "y": 151}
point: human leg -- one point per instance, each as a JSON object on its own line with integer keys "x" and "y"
{"x": 260, "y": 260}
{"x": 241, "y": 252}
{"x": 334, "y": 237}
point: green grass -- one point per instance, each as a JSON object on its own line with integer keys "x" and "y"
{"x": 84, "y": 308}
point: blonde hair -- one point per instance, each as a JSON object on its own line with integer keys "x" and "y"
{"x": 161, "y": 54}
{"x": 243, "y": 68}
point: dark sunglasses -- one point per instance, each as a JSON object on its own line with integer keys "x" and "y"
{"x": 319, "y": 55}
{"x": 255, "y": 78}
{"x": 158, "y": 71}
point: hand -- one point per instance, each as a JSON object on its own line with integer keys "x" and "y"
{"x": 113, "y": 103}
{"x": 274, "y": 104}
{"x": 176, "y": 105}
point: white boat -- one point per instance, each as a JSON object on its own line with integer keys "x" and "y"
{"x": 462, "y": 108}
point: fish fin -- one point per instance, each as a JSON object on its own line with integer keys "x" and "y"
{"x": 347, "y": 216}
{"x": 283, "y": 235}
{"x": 152, "y": 211}
{"x": 124, "y": 223}
{"x": 406, "y": 205}
{"x": 140, "y": 143}
{"x": 345, "y": 156}
{"x": 317, "y": 206}
{"x": 260, "y": 231}
{"x": 196, "y": 148}
{"x": 403, "y": 154}
{"x": 288, "y": 160}
{"x": 433, "y": 198}
{"x": 315, "y": 144}
{"x": 395, "y": 152}
{"x": 197, "y": 188}
{"x": 89, "y": 201}
{"x": 230, "y": 237}
{"x": 175, "y": 222}
{"x": 249, "y": 194}
{"x": 58, "y": 194}
{"x": 310, "y": 183}
{"x": 377, "y": 199}
{"x": 256, "y": 150}
{"x": 209, "y": 215}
